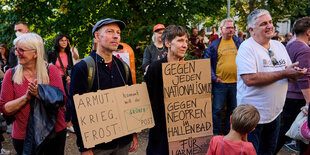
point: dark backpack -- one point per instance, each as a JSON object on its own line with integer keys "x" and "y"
{"x": 90, "y": 62}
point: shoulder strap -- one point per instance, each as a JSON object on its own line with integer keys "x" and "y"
{"x": 13, "y": 72}
{"x": 48, "y": 69}
{"x": 126, "y": 68}
{"x": 62, "y": 66}
{"x": 90, "y": 62}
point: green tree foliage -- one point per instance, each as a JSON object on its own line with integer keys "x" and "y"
{"x": 279, "y": 9}
{"x": 72, "y": 17}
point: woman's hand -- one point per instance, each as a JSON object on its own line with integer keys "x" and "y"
{"x": 27, "y": 95}
{"x": 68, "y": 79}
{"x": 33, "y": 89}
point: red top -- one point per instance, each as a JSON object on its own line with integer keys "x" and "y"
{"x": 221, "y": 146}
{"x": 10, "y": 92}
{"x": 64, "y": 60}
{"x": 213, "y": 37}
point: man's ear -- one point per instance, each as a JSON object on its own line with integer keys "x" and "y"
{"x": 96, "y": 34}
{"x": 167, "y": 44}
{"x": 250, "y": 29}
{"x": 308, "y": 32}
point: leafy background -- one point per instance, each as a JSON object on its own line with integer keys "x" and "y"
{"x": 72, "y": 17}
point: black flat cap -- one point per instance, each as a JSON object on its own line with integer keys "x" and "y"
{"x": 106, "y": 21}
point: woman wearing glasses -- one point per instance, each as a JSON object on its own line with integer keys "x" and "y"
{"x": 61, "y": 57}
{"x": 26, "y": 88}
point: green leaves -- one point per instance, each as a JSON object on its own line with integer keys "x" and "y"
{"x": 72, "y": 17}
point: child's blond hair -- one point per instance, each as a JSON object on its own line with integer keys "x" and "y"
{"x": 244, "y": 118}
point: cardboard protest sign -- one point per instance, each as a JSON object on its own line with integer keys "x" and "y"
{"x": 109, "y": 114}
{"x": 187, "y": 95}
{"x": 190, "y": 146}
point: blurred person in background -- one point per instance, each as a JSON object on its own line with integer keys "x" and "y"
{"x": 61, "y": 57}
{"x": 156, "y": 50}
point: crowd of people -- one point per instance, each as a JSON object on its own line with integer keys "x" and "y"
{"x": 262, "y": 82}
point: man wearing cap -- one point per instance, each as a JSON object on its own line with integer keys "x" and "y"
{"x": 109, "y": 73}
{"x": 156, "y": 50}
{"x": 175, "y": 39}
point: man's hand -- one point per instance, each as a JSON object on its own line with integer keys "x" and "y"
{"x": 88, "y": 152}
{"x": 293, "y": 72}
{"x": 134, "y": 143}
{"x": 219, "y": 80}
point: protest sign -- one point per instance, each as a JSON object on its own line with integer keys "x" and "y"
{"x": 187, "y": 95}
{"x": 112, "y": 113}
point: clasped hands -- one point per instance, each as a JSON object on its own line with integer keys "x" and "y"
{"x": 32, "y": 90}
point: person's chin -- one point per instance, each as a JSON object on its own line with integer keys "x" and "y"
{"x": 181, "y": 55}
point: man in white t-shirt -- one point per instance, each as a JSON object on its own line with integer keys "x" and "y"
{"x": 263, "y": 71}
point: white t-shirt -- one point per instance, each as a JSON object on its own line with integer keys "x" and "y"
{"x": 254, "y": 58}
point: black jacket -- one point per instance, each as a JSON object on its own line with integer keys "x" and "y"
{"x": 42, "y": 117}
{"x": 154, "y": 81}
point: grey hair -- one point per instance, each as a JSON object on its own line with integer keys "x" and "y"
{"x": 226, "y": 20}
{"x": 153, "y": 37}
{"x": 35, "y": 42}
{"x": 254, "y": 15}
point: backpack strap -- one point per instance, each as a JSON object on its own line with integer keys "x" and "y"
{"x": 90, "y": 62}
{"x": 126, "y": 67}
{"x": 13, "y": 72}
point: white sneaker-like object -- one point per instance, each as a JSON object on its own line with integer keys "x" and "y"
{"x": 5, "y": 152}
{"x": 71, "y": 129}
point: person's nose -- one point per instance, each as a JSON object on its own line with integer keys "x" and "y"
{"x": 116, "y": 35}
{"x": 269, "y": 25}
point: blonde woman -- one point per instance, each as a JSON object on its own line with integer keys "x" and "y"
{"x": 21, "y": 89}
